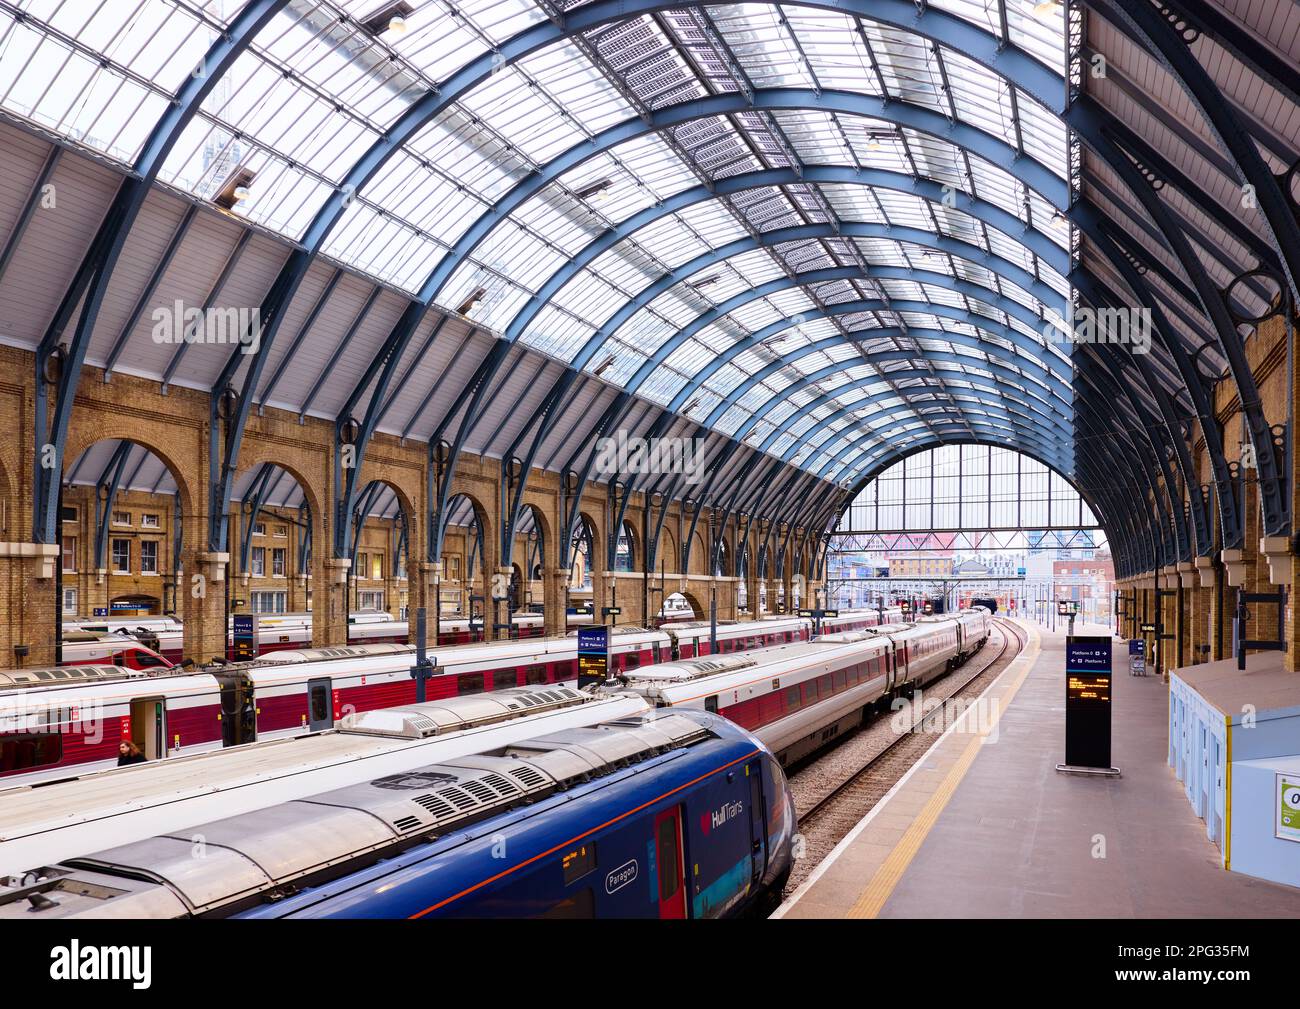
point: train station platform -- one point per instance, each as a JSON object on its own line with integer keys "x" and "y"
{"x": 984, "y": 826}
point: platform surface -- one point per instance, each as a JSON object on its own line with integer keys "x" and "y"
{"x": 991, "y": 829}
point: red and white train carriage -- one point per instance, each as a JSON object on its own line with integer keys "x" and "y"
{"x": 798, "y": 697}
{"x": 292, "y": 692}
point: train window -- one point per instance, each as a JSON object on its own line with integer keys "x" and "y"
{"x": 792, "y": 698}
{"x": 840, "y": 680}
{"x": 535, "y": 674}
{"x": 810, "y": 691}
{"x": 469, "y": 683}
{"x": 146, "y": 661}
{"x": 30, "y": 749}
{"x": 655, "y": 648}
{"x": 579, "y": 904}
{"x": 711, "y": 703}
{"x": 633, "y": 660}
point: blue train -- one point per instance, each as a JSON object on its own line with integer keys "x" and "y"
{"x": 701, "y": 830}
{"x": 667, "y": 814}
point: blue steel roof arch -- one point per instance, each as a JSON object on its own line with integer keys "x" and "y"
{"x": 90, "y": 283}
{"x": 1002, "y": 58}
{"x": 720, "y": 311}
{"x": 1036, "y": 241}
{"x": 1029, "y": 172}
{"x": 987, "y": 407}
{"x": 1063, "y": 451}
{"x": 1043, "y": 376}
{"x": 1045, "y": 413}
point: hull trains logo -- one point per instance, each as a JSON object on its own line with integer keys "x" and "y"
{"x": 727, "y": 811}
{"x": 102, "y": 963}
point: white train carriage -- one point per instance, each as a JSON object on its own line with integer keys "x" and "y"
{"x": 43, "y": 825}
{"x": 973, "y": 628}
{"x": 69, "y": 720}
{"x": 795, "y": 698}
{"x": 926, "y": 649}
{"x": 692, "y": 638}
{"x": 860, "y": 620}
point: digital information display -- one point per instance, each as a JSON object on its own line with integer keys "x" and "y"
{"x": 1087, "y": 701}
{"x": 593, "y": 655}
{"x": 578, "y": 862}
{"x": 245, "y": 636}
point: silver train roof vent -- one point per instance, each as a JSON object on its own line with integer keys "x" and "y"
{"x": 67, "y": 674}
{"x": 433, "y": 718}
{"x": 694, "y": 669}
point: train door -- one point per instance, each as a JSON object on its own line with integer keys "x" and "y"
{"x": 149, "y": 726}
{"x": 757, "y": 823}
{"x": 319, "y": 713}
{"x": 670, "y": 864}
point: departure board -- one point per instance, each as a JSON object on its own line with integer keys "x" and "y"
{"x": 1087, "y": 701}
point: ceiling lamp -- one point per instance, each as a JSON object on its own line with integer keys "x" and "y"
{"x": 1047, "y": 9}
{"x": 596, "y": 192}
{"x": 390, "y": 19}
{"x": 235, "y": 189}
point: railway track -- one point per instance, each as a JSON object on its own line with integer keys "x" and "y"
{"x": 835, "y": 790}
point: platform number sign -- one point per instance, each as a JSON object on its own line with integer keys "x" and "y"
{"x": 1288, "y": 807}
{"x": 593, "y": 656}
{"x": 244, "y": 634}
{"x": 1087, "y": 701}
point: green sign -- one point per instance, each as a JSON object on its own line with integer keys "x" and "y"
{"x": 1288, "y": 807}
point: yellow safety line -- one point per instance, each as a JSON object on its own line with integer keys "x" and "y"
{"x": 886, "y": 878}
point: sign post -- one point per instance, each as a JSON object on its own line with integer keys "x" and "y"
{"x": 1087, "y": 706}
{"x": 1137, "y": 657}
{"x": 593, "y": 656}
{"x": 424, "y": 666}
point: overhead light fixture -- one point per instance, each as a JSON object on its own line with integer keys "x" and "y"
{"x": 703, "y": 282}
{"x": 1059, "y": 220}
{"x": 390, "y": 19}
{"x": 603, "y": 367}
{"x": 875, "y": 138}
{"x": 468, "y": 304}
{"x": 597, "y": 191}
{"x": 236, "y": 189}
{"x": 1047, "y": 9}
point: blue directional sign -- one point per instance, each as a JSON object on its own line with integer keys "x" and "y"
{"x": 593, "y": 655}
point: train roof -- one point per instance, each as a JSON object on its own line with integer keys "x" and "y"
{"x": 334, "y": 833}
{"x": 47, "y": 823}
{"x": 725, "y": 672}
{"x": 89, "y": 675}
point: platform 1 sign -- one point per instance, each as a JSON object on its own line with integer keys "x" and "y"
{"x": 593, "y": 655}
{"x": 1087, "y": 701}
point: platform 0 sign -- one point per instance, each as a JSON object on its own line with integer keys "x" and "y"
{"x": 1087, "y": 701}
{"x": 593, "y": 655}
